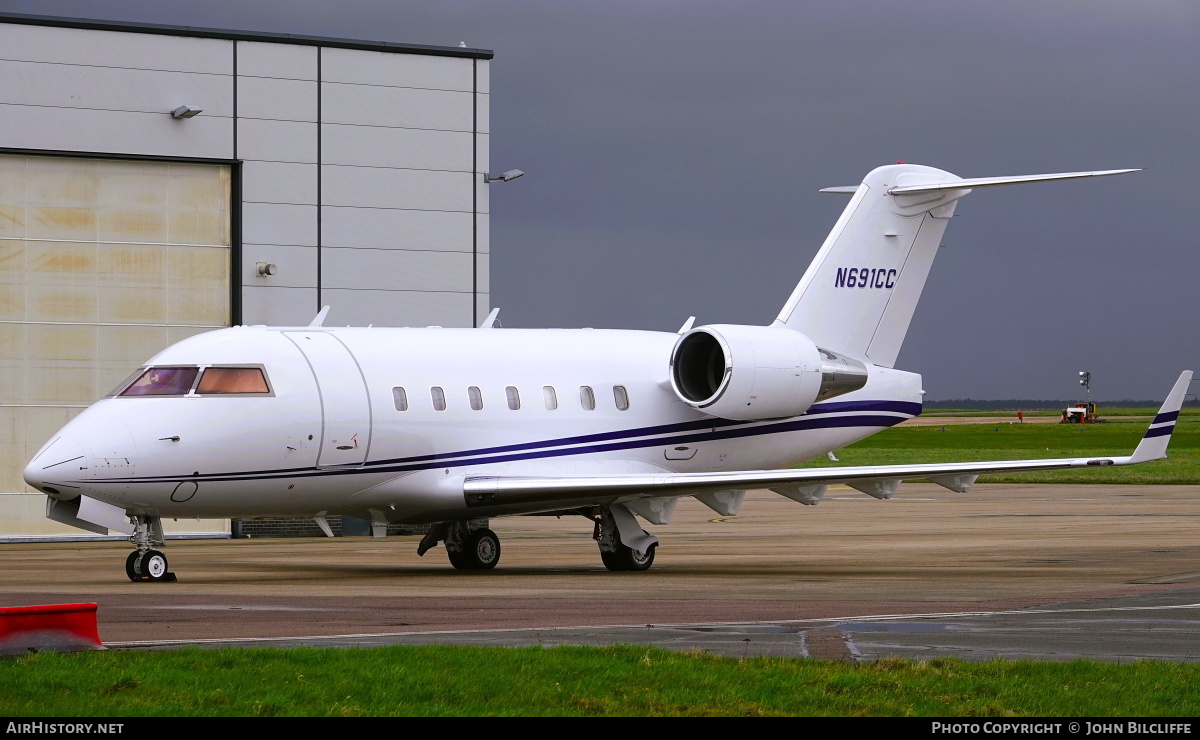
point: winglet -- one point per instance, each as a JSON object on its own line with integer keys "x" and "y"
{"x": 319, "y": 319}
{"x": 1154, "y": 445}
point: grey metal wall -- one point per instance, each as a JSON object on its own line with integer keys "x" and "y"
{"x": 361, "y": 182}
{"x": 362, "y": 169}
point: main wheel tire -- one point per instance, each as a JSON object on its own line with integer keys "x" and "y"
{"x": 458, "y": 560}
{"x": 131, "y": 566}
{"x": 482, "y": 549}
{"x": 153, "y": 565}
{"x": 612, "y": 561}
{"x": 634, "y": 560}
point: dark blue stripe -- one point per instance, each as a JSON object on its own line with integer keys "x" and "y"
{"x": 799, "y": 424}
{"x": 1169, "y": 416}
{"x": 1159, "y": 431}
{"x": 911, "y": 409}
{"x": 385, "y": 465}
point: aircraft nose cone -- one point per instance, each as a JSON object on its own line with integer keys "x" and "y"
{"x": 61, "y": 460}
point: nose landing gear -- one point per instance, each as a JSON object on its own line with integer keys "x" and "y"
{"x": 146, "y": 563}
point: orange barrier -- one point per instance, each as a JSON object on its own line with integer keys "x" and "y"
{"x": 50, "y": 627}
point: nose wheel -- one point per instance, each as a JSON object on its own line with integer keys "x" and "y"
{"x": 146, "y": 563}
{"x": 150, "y": 565}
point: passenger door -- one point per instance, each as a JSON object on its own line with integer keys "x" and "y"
{"x": 345, "y": 407}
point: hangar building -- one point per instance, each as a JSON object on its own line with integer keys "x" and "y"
{"x": 158, "y": 181}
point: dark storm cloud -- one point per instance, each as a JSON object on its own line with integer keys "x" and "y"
{"x": 674, "y": 151}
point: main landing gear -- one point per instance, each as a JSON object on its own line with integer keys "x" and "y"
{"x": 615, "y": 525}
{"x": 470, "y": 544}
{"x": 147, "y": 563}
{"x": 624, "y": 545}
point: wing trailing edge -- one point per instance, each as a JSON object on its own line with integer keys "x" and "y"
{"x": 805, "y": 485}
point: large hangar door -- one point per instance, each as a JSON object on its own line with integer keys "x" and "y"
{"x": 102, "y": 264}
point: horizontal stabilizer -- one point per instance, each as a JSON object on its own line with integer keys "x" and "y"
{"x": 991, "y": 182}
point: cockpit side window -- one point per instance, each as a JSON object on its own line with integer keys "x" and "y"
{"x": 163, "y": 381}
{"x": 233, "y": 380}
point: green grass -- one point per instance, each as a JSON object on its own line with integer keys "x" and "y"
{"x": 1004, "y": 441}
{"x": 622, "y": 680}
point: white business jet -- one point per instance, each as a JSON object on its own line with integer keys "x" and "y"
{"x": 453, "y": 426}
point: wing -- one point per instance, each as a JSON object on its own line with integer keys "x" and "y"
{"x": 806, "y": 486}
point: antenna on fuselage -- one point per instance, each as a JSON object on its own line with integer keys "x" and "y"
{"x": 319, "y": 320}
{"x": 490, "y": 321}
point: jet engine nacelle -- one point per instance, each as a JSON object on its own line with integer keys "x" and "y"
{"x": 758, "y": 372}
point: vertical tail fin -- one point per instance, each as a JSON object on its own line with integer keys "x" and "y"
{"x": 859, "y": 294}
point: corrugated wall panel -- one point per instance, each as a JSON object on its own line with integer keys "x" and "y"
{"x": 397, "y": 307}
{"x": 277, "y": 141}
{"x": 279, "y": 306}
{"x": 391, "y": 269}
{"x": 396, "y": 107}
{"x": 402, "y": 148}
{"x": 113, "y": 88}
{"x": 388, "y": 228}
{"x": 285, "y": 61}
{"x": 120, "y": 132}
{"x": 279, "y": 182}
{"x": 396, "y": 70}
{"x": 367, "y": 187}
{"x": 114, "y": 49}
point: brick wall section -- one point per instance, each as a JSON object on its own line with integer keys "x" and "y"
{"x": 306, "y": 527}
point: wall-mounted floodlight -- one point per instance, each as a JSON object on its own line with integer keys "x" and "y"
{"x": 504, "y": 177}
{"x": 185, "y": 111}
{"x": 267, "y": 268}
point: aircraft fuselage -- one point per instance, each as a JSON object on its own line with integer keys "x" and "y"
{"x": 333, "y": 434}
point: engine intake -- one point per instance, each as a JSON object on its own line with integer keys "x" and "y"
{"x": 758, "y": 372}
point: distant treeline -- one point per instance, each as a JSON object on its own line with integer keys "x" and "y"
{"x": 1013, "y": 404}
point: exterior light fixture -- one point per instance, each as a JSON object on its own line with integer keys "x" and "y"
{"x": 504, "y": 177}
{"x": 267, "y": 268}
{"x": 185, "y": 111}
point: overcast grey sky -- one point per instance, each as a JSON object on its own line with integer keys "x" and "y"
{"x": 674, "y": 151}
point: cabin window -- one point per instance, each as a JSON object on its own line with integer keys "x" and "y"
{"x": 550, "y": 397}
{"x": 514, "y": 398}
{"x": 439, "y": 398}
{"x": 621, "y": 397}
{"x": 400, "y": 398}
{"x": 586, "y": 398}
{"x": 163, "y": 381}
{"x": 233, "y": 380}
{"x": 476, "y": 397}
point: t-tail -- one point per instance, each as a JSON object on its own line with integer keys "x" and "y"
{"x": 859, "y": 294}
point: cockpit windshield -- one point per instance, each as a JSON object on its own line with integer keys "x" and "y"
{"x": 163, "y": 381}
{"x": 200, "y": 381}
{"x": 233, "y": 380}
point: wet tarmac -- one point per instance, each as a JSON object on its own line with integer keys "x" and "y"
{"x": 1012, "y": 571}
